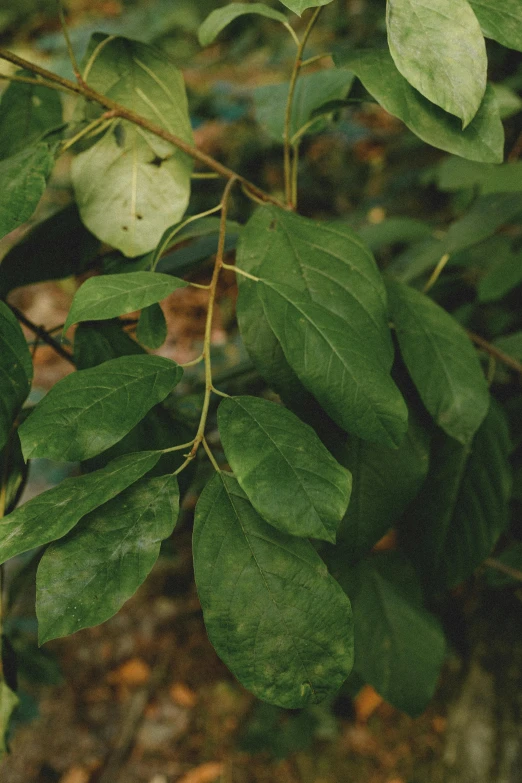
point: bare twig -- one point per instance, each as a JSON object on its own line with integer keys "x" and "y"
{"x": 508, "y": 570}
{"x": 495, "y": 352}
{"x": 42, "y": 334}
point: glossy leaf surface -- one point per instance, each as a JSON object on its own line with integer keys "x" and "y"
{"x": 222, "y": 17}
{"x": 274, "y": 614}
{"x": 90, "y": 410}
{"x": 385, "y": 481}
{"x": 140, "y": 180}
{"x": 86, "y": 577}
{"x": 16, "y": 371}
{"x": 53, "y": 513}
{"x": 290, "y": 478}
{"x": 107, "y": 296}
{"x": 399, "y": 646}
{"x": 439, "y": 48}
{"x": 324, "y": 299}
{"x": 482, "y": 140}
{"x": 500, "y": 21}
{"x": 441, "y": 361}
{"x": 463, "y": 507}
{"x": 24, "y": 177}
{"x": 311, "y": 92}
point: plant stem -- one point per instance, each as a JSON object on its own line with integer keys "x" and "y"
{"x": 210, "y": 455}
{"x": 290, "y": 102}
{"x": 436, "y": 273}
{"x": 164, "y": 245}
{"x": 70, "y": 50}
{"x": 200, "y": 435}
{"x": 238, "y": 271}
{"x": 495, "y": 352}
{"x": 124, "y": 113}
{"x": 498, "y": 565}
{"x": 43, "y": 334}
{"x": 29, "y": 80}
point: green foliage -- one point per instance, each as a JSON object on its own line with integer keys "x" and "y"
{"x": 440, "y": 50}
{"x": 89, "y": 411}
{"x": 272, "y": 611}
{"x": 84, "y": 578}
{"x": 386, "y": 417}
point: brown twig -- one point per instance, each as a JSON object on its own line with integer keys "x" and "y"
{"x": 495, "y": 352}
{"x": 42, "y": 334}
{"x": 124, "y": 113}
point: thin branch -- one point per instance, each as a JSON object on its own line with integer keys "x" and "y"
{"x": 436, "y": 273}
{"x": 498, "y": 565}
{"x": 68, "y": 43}
{"x": 42, "y": 334}
{"x": 290, "y": 102}
{"x": 127, "y": 114}
{"x": 495, "y": 352}
{"x": 29, "y": 80}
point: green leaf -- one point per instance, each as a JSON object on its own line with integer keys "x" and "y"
{"x": 458, "y": 173}
{"x": 152, "y": 327}
{"x": 290, "y": 478}
{"x": 86, "y": 577}
{"x": 24, "y": 177}
{"x": 53, "y": 513}
{"x": 274, "y": 614}
{"x": 500, "y": 21}
{"x": 503, "y": 276}
{"x": 95, "y": 343}
{"x": 56, "y": 248}
{"x": 512, "y": 558}
{"x": 399, "y": 646}
{"x": 482, "y": 140}
{"x": 462, "y": 508}
{"x": 16, "y": 371}
{"x": 90, "y": 410}
{"x": 439, "y": 48}
{"x": 511, "y": 344}
{"x": 325, "y": 301}
{"x": 298, "y": 6}
{"x": 441, "y": 361}
{"x": 312, "y": 91}
{"x": 140, "y": 180}
{"x": 508, "y": 102}
{"x": 8, "y": 703}
{"x": 222, "y": 17}
{"x": 107, "y": 296}
{"x": 27, "y": 112}
{"x": 385, "y": 481}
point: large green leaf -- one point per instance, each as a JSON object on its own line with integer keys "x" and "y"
{"x": 86, "y": 577}
{"x": 385, "y": 481}
{"x": 90, "y": 410}
{"x": 394, "y": 230}
{"x": 462, "y": 508}
{"x": 8, "y": 703}
{"x": 53, "y": 513}
{"x": 482, "y": 140}
{"x": 441, "y": 361}
{"x": 16, "y": 371}
{"x": 222, "y": 17}
{"x": 57, "y": 247}
{"x": 27, "y": 112}
{"x": 98, "y": 342}
{"x": 136, "y": 178}
{"x": 324, "y": 300}
{"x": 14, "y": 470}
{"x": 504, "y": 274}
{"x": 439, "y": 48}
{"x": 100, "y": 298}
{"x": 312, "y": 91}
{"x": 23, "y": 177}
{"x": 274, "y": 614}
{"x": 298, "y": 6}
{"x": 399, "y": 646}
{"x": 500, "y": 20}
{"x": 290, "y": 478}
